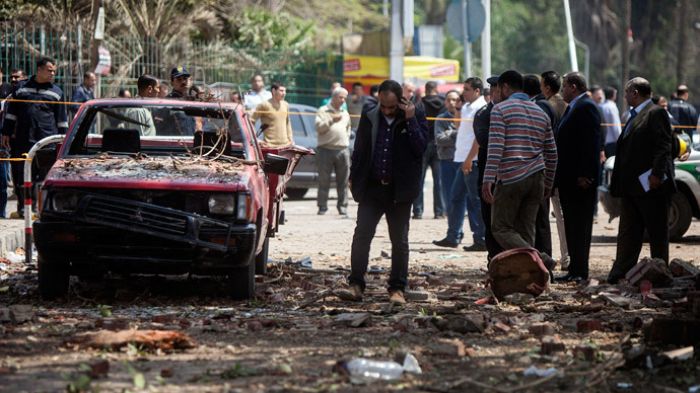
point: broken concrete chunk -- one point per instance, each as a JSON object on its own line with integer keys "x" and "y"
{"x": 417, "y": 296}
{"x": 654, "y": 270}
{"x": 681, "y": 268}
{"x": 353, "y": 319}
{"x": 679, "y": 354}
{"x": 519, "y": 299}
{"x": 617, "y": 300}
{"x": 474, "y": 323}
{"x": 552, "y": 345}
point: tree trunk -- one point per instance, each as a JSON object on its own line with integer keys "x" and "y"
{"x": 682, "y": 41}
{"x": 626, "y": 26}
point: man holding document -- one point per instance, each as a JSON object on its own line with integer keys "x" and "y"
{"x": 643, "y": 178}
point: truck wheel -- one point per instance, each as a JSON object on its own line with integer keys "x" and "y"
{"x": 53, "y": 278}
{"x": 242, "y": 281}
{"x": 261, "y": 259}
{"x": 679, "y": 216}
{"x": 296, "y": 193}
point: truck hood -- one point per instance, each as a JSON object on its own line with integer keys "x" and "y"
{"x": 160, "y": 173}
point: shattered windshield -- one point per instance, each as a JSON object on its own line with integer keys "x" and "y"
{"x": 140, "y": 128}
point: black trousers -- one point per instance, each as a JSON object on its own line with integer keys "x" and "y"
{"x": 378, "y": 201}
{"x": 578, "y": 206}
{"x": 492, "y": 246}
{"x": 648, "y": 212}
{"x": 430, "y": 160}
{"x": 543, "y": 232}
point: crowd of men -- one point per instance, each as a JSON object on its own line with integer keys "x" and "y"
{"x": 498, "y": 158}
{"x": 538, "y": 138}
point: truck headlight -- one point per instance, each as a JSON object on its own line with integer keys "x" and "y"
{"x": 65, "y": 201}
{"x": 242, "y": 206}
{"x": 221, "y": 204}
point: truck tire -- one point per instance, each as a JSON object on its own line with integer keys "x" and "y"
{"x": 296, "y": 194}
{"x": 680, "y": 215}
{"x": 261, "y": 259}
{"x": 242, "y": 281}
{"x": 54, "y": 277}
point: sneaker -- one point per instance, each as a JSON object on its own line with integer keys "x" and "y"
{"x": 445, "y": 243}
{"x": 322, "y": 211}
{"x": 354, "y": 294}
{"x": 475, "y": 247}
{"x": 396, "y": 297}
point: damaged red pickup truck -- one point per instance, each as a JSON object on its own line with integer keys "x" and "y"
{"x": 161, "y": 187}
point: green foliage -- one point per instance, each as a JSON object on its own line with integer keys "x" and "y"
{"x": 262, "y": 29}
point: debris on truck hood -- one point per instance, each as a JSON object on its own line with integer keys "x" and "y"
{"x": 166, "y": 169}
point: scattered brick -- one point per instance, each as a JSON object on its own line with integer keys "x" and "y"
{"x": 588, "y": 325}
{"x": 447, "y": 347}
{"x": 552, "y": 345}
{"x": 541, "y": 329}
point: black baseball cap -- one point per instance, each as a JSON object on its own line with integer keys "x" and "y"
{"x": 492, "y": 80}
{"x": 178, "y": 72}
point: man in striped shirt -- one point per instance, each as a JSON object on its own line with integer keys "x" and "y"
{"x": 522, "y": 159}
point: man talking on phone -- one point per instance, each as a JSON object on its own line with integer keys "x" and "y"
{"x": 385, "y": 178}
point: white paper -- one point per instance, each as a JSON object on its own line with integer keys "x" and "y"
{"x": 644, "y": 180}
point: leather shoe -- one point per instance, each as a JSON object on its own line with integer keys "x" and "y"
{"x": 475, "y": 247}
{"x": 445, "y": 243}
{"x": 354, "y": 294}
{"x": 570, "y": 278}
{"x": 322, "y": 211}
{"x": 396, "y": 297}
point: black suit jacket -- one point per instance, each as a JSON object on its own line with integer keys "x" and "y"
{"x": 646, "y": 145}
{"x": 578, "y": 144}
{"x": 407, "y": 151}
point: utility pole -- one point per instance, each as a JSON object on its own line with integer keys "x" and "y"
{"x": 626, "y": 30}
{"x": 682, "y": 41}
{"x": 396, "y": 50}
{"x": 486, "y": 42}
{"x": 570, "y": 33}
{"x": 465, "y": 41}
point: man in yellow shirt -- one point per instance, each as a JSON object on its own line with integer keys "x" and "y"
{"x": 274, "y": 116}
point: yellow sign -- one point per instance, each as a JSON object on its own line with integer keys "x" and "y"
{"x": 370, "y": 70}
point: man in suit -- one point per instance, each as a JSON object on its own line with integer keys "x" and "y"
{"x": 578, "y": 145}
{"x": 643, "y": 178}
{"x": 385, "y": 178}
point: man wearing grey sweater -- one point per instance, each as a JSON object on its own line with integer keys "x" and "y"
{"x": 332, "y": 154}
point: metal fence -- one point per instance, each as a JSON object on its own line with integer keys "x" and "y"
{"x": 307, "y": 74}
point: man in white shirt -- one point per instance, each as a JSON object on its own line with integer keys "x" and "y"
{"x": 611, "y": 118}
{"x": 257, "y": 93}
{"x": 464, "y": 194}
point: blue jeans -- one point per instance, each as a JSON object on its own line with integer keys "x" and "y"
{"x": 448, "y": 169}
{"x": 465, "y": 199}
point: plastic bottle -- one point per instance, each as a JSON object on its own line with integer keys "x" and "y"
{"x": 368, "y": 369}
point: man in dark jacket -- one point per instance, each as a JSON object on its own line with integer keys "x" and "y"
{"x": 683, "y": 111}
{"x": 578, "y": 145}
{"x": 433, "y": 105}
{"x": 643, "y": 178}
{"x": 33, "y": 119}
{"x": 384, "y": 180}
{"x": 84, "y": 92}
{"x": 482, "y": 122}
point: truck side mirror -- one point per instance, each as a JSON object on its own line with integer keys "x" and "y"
{"x": 275, "y": 164}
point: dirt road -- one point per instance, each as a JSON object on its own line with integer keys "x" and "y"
{"x": 292, "y": 335}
